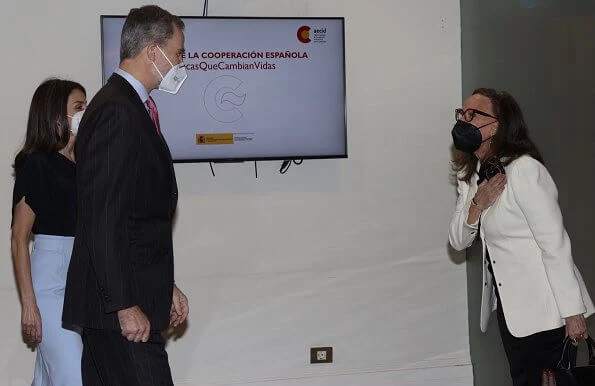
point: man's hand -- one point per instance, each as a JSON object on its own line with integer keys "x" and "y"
{"x": 179, "y": 308}
{"x": 134, "y": 324}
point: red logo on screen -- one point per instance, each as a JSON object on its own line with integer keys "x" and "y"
{"x": 303, "y": 34}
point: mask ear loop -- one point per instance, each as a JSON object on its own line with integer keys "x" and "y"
{"x": 487, "y": 124}
{"x": 165, "y": 56}
{"x": 160, "y": 74}
{"x": 71, "y": 118}
{"x": 493, "y": 131}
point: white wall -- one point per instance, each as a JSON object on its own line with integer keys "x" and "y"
{"x": 348, "y": 253}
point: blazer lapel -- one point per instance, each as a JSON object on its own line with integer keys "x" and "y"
{"x": 146, "y": 125}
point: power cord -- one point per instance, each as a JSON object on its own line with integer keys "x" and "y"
{"x": 205, "y": 11}
{"x": 285, "y": 165}
{"x": 255, "y": 169}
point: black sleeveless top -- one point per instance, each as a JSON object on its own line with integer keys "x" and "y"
{"x": 48, "y": 183}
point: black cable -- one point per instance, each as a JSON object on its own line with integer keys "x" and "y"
{"x": 287, "y": 163}
{"x": 205, "y": 9}
{"x": 255, "y": 170}
{"x": 285, "y": 166}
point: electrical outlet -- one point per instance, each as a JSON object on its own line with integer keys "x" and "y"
{"x": 321, "y": 355}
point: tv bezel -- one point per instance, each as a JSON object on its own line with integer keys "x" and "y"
{"x": 246, "y": 159}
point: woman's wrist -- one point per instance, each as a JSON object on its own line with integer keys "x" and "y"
{"x": 29, "y": 305}
{"x": 28, "y": 301}
{"x": 475, "y": 205}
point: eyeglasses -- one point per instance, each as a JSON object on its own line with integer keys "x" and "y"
{"x": 469, "y": 114}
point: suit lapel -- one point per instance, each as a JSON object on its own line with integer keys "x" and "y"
{"x": 146, "y": 124}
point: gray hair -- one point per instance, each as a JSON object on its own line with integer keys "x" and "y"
{"x": 146, "y": 25}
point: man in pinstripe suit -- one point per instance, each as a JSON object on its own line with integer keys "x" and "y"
{"x": 120, "y": 289}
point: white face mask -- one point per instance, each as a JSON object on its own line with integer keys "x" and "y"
{"x": 172, "y": 81}
{"x": 75, "y": 121}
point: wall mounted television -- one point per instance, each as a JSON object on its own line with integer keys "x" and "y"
{"x": 257, "y": 88}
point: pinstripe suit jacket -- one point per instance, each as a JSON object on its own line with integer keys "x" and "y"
{"x": 126, "y": 200}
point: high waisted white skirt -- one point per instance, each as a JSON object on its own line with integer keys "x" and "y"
{"x": 58, "y": 361}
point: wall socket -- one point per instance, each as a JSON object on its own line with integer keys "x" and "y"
{"x": 321, "y": 355}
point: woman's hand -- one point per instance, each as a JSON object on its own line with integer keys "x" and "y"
{"x": 576, "y": 328}
{"x": 489, "y": 191}
{"x": 31, "y": 324}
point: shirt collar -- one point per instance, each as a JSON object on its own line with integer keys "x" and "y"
{"x": 135, "y": 83}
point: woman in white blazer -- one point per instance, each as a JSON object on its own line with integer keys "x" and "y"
{"x": 528, "y": 271}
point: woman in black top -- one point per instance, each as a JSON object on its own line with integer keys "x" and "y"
{"x": 44, "y": 205}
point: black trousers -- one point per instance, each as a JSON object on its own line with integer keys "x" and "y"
{"x": 530, "y": 355}
{"x": 109, "y": 359}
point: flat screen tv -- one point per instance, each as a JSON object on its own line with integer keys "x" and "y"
{"x": 257, "y": 88}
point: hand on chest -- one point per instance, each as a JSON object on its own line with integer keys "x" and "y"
{"x": 505, "y": 217}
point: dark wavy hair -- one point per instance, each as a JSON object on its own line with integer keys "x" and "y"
{"x": 511, "y": 140}
{"x": 47, "y": 126}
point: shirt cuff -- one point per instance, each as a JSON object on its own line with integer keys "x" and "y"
{"x": 473, "y": 226}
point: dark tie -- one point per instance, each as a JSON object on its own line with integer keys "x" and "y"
{"x": 153, "y": 113}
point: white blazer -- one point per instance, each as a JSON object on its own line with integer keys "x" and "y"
{"x": 530, "y": 250}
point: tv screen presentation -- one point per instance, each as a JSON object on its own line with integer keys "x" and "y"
{"x": 257, "y": 88}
